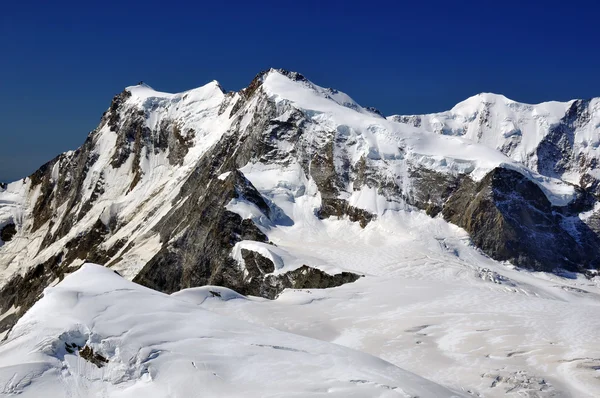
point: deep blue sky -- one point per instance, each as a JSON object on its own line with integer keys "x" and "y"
{"x": 62, "y": 62}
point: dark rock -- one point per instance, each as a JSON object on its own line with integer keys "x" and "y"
{"x": 431, "y": 189}
{"x": 260, "y": 281}
{"x": 510, "y": 219}
{"x": 112, "y": 116}
{"x": 556, "y": 154}
{"x": 306, "y": 277}
{"x": 323, "y": 172}
{"x": 374, "y": 111}
{"x": 7, "y": 232}
{"x": 203, "y": 243}
{"x": 257, "y": 264}
{"x": 413, "y": 120}
{"x": 89, "y": 355}
{"x": 86, "y": 247}
{"x": 340, "y": 207}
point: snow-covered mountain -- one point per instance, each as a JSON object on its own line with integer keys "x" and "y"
{"x": 289, "y": 185}
{"x": 556, "y": 139}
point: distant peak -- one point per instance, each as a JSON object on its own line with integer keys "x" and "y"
{"x": 481, "y": 99}
{"x": 142, "y": 84}
{"x": 295, "y": 76}
{"x": 494, "y": 97}
{"x": 488, "y": 97}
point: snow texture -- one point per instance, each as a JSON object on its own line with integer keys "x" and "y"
{"x": 155, "y": 345}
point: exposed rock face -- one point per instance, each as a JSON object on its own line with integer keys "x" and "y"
{"x": 559, "y": 152}
{"x": 260, "y": 282}
{"x": 89, "y": 355}
{"x": 153, "y": 189}
{"x": 340, "y": 208}
{"x": 306, "y": 277}
{"x": 197, "y": 252}
{"x": 510, "y": 219}
{"x": 432, "y": 189}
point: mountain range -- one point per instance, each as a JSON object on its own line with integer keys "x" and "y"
{"x": 286, "y": 186}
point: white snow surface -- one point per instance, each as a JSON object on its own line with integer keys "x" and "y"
{"x": 168, "y": 346}
{"x": 511, "y": 127}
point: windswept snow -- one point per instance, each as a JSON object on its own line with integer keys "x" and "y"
{"x": 157, "y": 345}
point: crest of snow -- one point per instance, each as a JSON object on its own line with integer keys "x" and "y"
{"x": 248, "y": 210}
{"x": 281, "y": 259}
{"x": 197, "y": 295}
{"x": 513, "y": 128}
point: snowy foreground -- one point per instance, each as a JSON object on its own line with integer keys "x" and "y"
{"x": 162, "y": 346}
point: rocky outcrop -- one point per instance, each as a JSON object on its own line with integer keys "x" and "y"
{"x": 558, "y": 153}
{"x": 430, "y": 189}
{"x": 340, "y": 208}
{"x": 199, "y": 234}
{"x": 7, "y": 232}
{"x": 307, "y": 277}
{"x": 259, "y": 279}
{"x": 510, "y": 219}
{"x": 555, "y": 152}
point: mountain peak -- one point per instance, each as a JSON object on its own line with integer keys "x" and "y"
{"x": 143, "y": 91}
{"x": 475, "y": 102}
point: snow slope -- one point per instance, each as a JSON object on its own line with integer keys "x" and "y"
{"x": 433, "y": 304}
{"x": 517, "y": 129}
{"x": 166, "y": 346}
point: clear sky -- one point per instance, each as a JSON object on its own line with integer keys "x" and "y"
{"x": 62, "y": 62}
